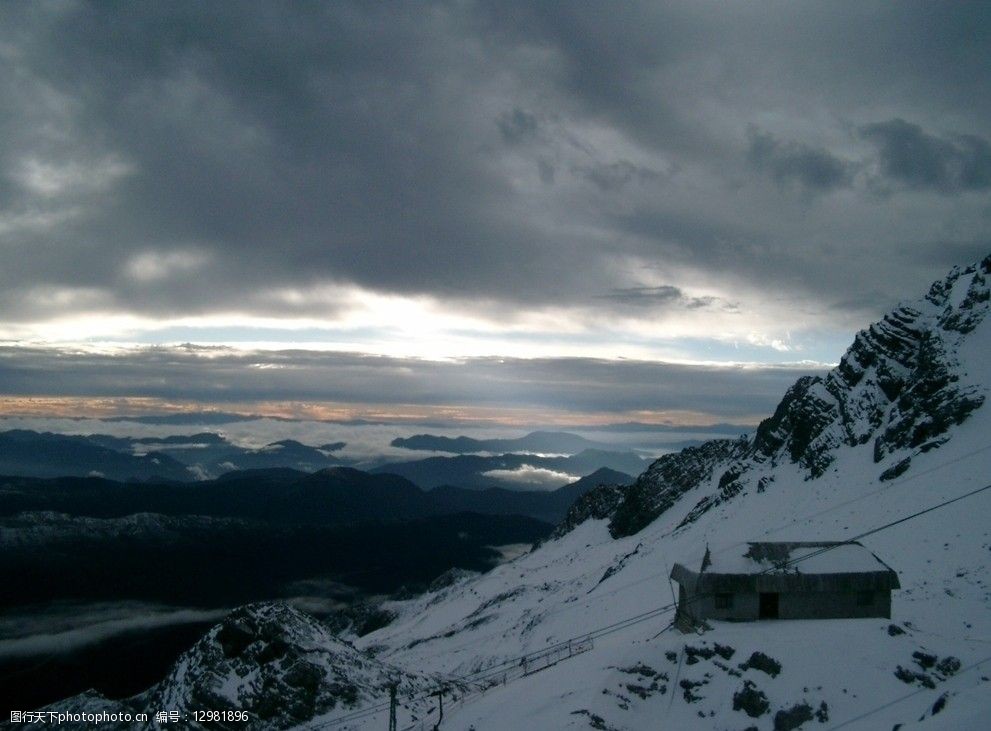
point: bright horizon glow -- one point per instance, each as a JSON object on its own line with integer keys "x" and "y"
{"x": 514, "y": 217}
{"x": 427, "y": 328}
{"x": 100, "y": 408}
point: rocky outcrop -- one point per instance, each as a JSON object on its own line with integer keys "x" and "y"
{"x": 930, "y": 404}
{"x": 596, "y": 504}
{"x": 899, "y": 386}
{"x": 360, "y": 618}
{"x": 282, "y": 666}
{"x": 668, "y": 479}
{"x": 279, "y": 665}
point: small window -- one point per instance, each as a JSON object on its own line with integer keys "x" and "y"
{"x": 724, "y": 601}
{"x": 865, "y": 598}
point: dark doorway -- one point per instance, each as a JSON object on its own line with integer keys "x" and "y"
{"x": 768, "y": 606}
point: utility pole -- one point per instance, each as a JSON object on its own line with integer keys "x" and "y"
{"x": 440, "y": 700}
{"x": 392, "y": 707}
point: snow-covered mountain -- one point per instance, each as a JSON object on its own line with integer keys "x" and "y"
{"x": 578, "y": 632}
{"x": 900, "y": 387}
{"x": 271, "y": 662}
{"x": 895, "y": 428}
{"x": 279, "y": 665}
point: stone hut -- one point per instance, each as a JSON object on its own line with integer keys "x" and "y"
{"x": 819, "y": 580}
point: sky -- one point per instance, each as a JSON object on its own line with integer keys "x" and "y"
{"x": 478, "y": 211}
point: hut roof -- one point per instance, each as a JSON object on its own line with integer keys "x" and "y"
{"x": 789, "y": 566}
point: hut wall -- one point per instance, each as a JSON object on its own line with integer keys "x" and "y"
{"x": 791, "y": 605}
{"x": 745, "y": 606}
{"x": 833, "y": 605}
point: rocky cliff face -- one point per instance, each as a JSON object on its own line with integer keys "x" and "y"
{"x": 668, "y": 479}
{"x": 281, "y": 666}
{"x": 598, "y": 503}
{"x": 900, "y": 385}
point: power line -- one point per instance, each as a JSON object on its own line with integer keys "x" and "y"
{"x": 851, "y": 501}
{"x": 883, "y": 488}
{"x": 495, "y": 670}
{"x": 718, "y": 551}
{"x": 914, "y": 693}
{"x": 871, "y": 532}
{"x": 500, "y": 668}
{"x": 795, "y": 521}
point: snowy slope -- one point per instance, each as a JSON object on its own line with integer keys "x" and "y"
{"x": 910, "y": 388}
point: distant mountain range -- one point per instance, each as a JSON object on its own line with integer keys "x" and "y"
{"x": 639, "y": 426}
{"x": 550, "y": 506}
{"x": 541, "y": 442}
{"x": 55, "y": 455}
{"x": 333, "y": 497}
{"x": 512, "y": 471}
{"x": 333, "y": 536}
{"x": 329, "y": 537}
{"x": 181, "y": 458}
{"x": 207, "y": 456}
{"x": 554, "y": 442}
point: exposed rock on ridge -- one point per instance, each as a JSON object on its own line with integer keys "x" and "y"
{"x": 668, "y": 479}
{"x": 280, "y": 665}
{"x": 899, "y": 384}
{"x": 596, "y": 504}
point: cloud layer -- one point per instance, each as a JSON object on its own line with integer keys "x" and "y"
{"x": 65, "y": 629}
{"x": 182, "y": 158}
{"x": 533, "y": 478}
{"x": 352, "y": 385}
{"x": 489, "y": 175}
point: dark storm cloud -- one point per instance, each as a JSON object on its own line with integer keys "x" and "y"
{"x": 547, "y": 171}
{"x": 219, "y": 375}
{"x": 517, "y": 125}
{"x": 792, "y": 163}
{"x": 912, "y": 157}
{"x": 617, "y": 175}
{"x": 289, "y": 143}
{"x": 664, "y": 296}
{"x": 180, "y": 158}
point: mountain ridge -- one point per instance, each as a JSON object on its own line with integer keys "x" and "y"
{"x": 479, "y": 472}
{"x": 899, "y": 384}
{"x": 911, "y": 387}
{"x": 332, "y": 496}
{"x": 547, "y": 442}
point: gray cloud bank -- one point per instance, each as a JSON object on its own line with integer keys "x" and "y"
{"x": 181, "y": 158}
{"x": 219, "y": 375}
{"x": 911, "y": 157}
